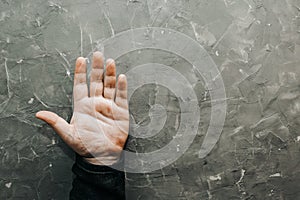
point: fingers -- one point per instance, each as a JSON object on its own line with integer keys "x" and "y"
{"x": 110, "y": 79}
{"x": 97, "y": 87}
{"x": 61, "y": 127}
{"x": 121, "y": 96}
{"x": 80, "y": 87}
{"x": 96, "y": 78}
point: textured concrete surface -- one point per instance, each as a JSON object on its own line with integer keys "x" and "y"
{"x": 255, "y": 44}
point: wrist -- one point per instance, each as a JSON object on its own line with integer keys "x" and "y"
{"x": 96, "y": 169}
{"x": 101, "y": 161}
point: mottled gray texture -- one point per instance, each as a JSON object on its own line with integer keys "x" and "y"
{"x": 255, "y": 44}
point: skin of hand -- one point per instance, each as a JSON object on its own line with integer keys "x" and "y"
{"x": 99, "y": 125}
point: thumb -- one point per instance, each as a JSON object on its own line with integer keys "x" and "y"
{"x": 61, "y": 127}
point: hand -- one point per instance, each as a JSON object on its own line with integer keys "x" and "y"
{"x": 99, "y": 126}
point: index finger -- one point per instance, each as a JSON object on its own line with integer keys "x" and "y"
{"x": 80, "y": 89}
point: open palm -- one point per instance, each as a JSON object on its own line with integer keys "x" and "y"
{"x": 99, "y": 126}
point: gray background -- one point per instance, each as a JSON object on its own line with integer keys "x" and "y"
{"x": 255, "y": 44}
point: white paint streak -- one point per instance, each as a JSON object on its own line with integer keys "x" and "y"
{"x": 8, "y": 185}
{"x": 44, "y": 104}
{"x": 242, "y": 176}
{"x": 81, "y": 41}
{"x": 275, "y": 175}
{"x": 110, "y": 24}
{"x": 7, "y": 78}
{"x": 31, "y": 101}
{"x": 63, "y": 57}
{"x": 215, "y": 178}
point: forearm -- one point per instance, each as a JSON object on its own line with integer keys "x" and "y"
{"x": 96, "y": 182}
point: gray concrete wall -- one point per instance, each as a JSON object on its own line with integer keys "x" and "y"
{"x": 255, "y": 45}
